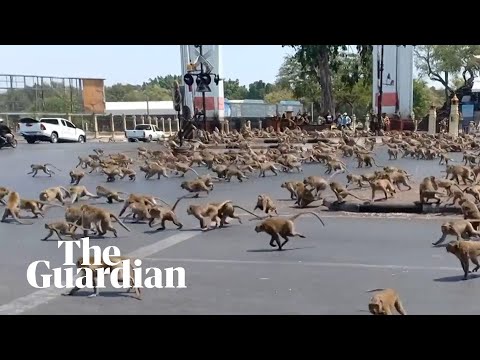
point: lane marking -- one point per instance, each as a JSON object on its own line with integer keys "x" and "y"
{"x": 43, "y": 296}
{"x": 309, "y": 263}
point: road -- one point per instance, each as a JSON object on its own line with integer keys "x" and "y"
{"x": 234, "y": 270}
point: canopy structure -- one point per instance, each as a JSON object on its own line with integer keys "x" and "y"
{"x": 152, "y": 108}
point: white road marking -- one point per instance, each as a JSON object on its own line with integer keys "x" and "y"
{"x": 43, "y": 296}
{"x": 310, "y": 263}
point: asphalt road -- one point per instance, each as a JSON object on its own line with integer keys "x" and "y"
{"x": 234, "y": 270}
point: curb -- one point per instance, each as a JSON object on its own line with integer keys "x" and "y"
{"x": 414, "y": 208}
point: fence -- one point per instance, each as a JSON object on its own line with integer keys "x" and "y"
{"x": 100, "y": 124}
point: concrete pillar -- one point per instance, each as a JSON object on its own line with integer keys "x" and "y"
{"x": 124, "y": 118}
{"x": 177, "y": 124}
{"x": 112, "y": 124}
{"x": 69, "y": 117}
{"x": 95, "y": 125}
{"x": 134, "y": 121}
{"x": 142, "y": 120}
{"x": 367, "y": 122}
{"x": 155, "y": 120}
{"x": 149, "y": 119}
{"x": 354, "y": 122}
{"x": 162, "y": 124}
{"x": 249, "y": 124}
{"x": 260, "y": 124}
{"x": 6, "y": 120}
{"x": 454, "y": 117}
{"x": 432, "y": 120}
{"x": 227, "y": 126}
{"x": 169, "y": 124}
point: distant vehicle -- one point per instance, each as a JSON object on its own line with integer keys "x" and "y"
{"x": 145, "y": 133}
{"x": 50, "y": 129}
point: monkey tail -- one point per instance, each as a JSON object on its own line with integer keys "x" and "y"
{"x": 294, "y": 217}
{"x": 156, "y": 198}
{"x": 119, "y": 221}
{"x": 20, "y": 221}
{"x": 52, "y": 166}
{"x": 192, "y": 169}
{"x": 251, "y": 213}
{"x": 374, "y": 290}
{"x": 178, "y": 200}
{"x": 376, "y": 163}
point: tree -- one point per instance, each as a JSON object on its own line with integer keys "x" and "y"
{"x": 422, "y": 98}
{"x": 258, "y": 89}
{"x": 276, "y": 96}
{"x": 303, "y": 86}
{"x": 322, "y": 61}
{"x": 233, "y": 91}
{"x": 445, "y": 63}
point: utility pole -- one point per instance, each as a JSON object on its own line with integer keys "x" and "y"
{"x": 203, "y": 94}
{"x": 380, "y": 86}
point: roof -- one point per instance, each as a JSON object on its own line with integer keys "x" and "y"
{"x": 140, "y": 108}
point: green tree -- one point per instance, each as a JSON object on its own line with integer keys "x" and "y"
{"x": 233, "y": 90}
{"x": 258, "y": 89}
{"x": 276, "y": 96}
{"x": 446, "y": 63}
{"x": 323, "y": 61}
{"x": 422, "y": 98}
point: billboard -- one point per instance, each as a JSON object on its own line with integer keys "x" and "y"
{"x": 94, "y": 96}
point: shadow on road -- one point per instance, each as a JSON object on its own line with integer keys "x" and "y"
{"x": 456, "y": 278}
{"x": 276, "y": 249}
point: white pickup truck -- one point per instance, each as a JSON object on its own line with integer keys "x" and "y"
{"x": 144, "y": 132}
{"x": 50, "y": 129}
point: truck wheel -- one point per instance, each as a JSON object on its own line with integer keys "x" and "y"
{"x": 54, "y": 138}
{"x": 149, "y": 139}
{"x": 131, "y": 140}
{"x": 30, "y": 141}
{"x": 81, "y": 139}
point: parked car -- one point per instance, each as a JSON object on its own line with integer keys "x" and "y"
{"x": 50, "y": 129}
{"x": 144, "y": 132}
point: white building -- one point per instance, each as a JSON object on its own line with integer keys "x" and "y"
{"x": 152, "y": 108}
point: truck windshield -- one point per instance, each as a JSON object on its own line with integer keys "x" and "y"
{"x": 143, "y": 127}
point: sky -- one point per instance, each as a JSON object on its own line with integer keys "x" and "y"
{"x": 135, "y": 64}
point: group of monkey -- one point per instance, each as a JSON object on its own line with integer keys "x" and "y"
{"x": 285, "y": 157}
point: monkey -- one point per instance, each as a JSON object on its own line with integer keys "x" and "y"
{"x": 99, "y": 152}
{"x": 206, "y": 211}
{"x": 78, "y": 191}
{"x": 469, "y": 158}
{"x": 382, "y": 185}
{"x": 284, "y": 227}
{"x": 164, "y": 215}
{"x": 3, "y": 192}
{"x": 367, "y": 160}
{"x": 465, "y": 250}
{"x": 195, "y": 186}
{"x": 341, "y": 193}
{"x": 397, "y": 178}
{"x": 93, "y": 215}
{"x": 220, "y": 170}
{"x": 140, "y": 211}
{"x": 53, "y": 193}
{"x": 139, "y": 198}
{"x": 335, "y": 165}
{"x": 109, "y": 194}
{"x": 428, "y": 190}
{"x": 465, "y": 172}
{"x": 83, "y": 162}
{"x": 263, "y": 167}
{"x": 183, "y": 168}
{"x": 470, "y": 211}
{"x": 392, "y": 154}
{"x": 37, "y": 167}
{"x": 444, "y": 159}
{"x": 455, "y": 194}
{"x": 234, "y": 172}
{"x": 76, "y": 176}
{"x": 95, "y": 157}
{"x": 132, "y": 175}
{"x": 228, "y": 211}
{"x": 35, "y": 206}
{"x": 111, "y": 173}
{"x": 208, "y": 180}
{"x": 459, "y": 228}
{"x": 474, "y": 191}
{"x": 317, "y": 183}
{"x": 153, "y": 169}
{"x": 352, "y": 179}
{"x": 60, "y": 228}
{"x": 304, "y": 196}
{"x": 117, "y": 260}
{"x": 265, "y": 203}
{"x": 13, "y": 208}
{"x": 384, "y": 302}
{"x": 291, "y": 186}
{"x": 447, "y": 185}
